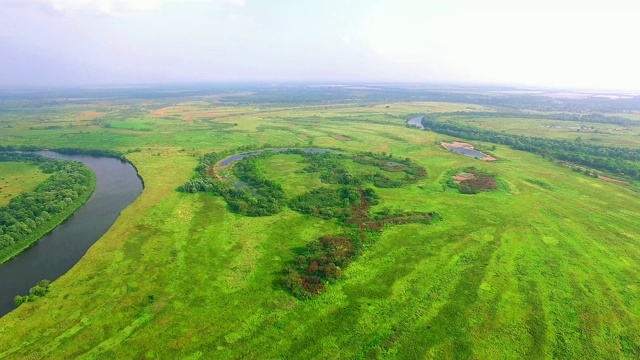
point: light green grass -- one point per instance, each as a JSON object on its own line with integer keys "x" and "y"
{"x": 524, "y": 272}
{"x": 604, "y": 134}
{"x": 18, "y": 177}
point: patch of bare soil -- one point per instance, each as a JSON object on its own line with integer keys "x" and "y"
{"x": 611, "y": 180}
{"x": 341, "y": 137}
{"x": 460, "y": 177}
{"x": 457, "y": 144}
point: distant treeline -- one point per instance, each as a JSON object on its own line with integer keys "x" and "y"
{"x": 618, "y": 160}
{"x": 589, "y": 118}
{"x": 30, "y": 215}
{"x": 65, "y": 150}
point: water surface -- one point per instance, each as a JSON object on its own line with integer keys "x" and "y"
{"x": 117, "y": 186}
{"x": 468, "y": 152}
{"x": 416, "y": 121}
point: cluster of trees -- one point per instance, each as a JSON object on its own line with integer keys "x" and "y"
{"x": 32, "y": 213}
{"x": 36, "y": 292}
{"x": 91, "y": 152}
{"x": 332, "y": 172}
{"x": 325, "y": 258}
{"x": 331, "y": 203}
{"x": 256, "y": 196}
{"x": 413, "y": 172}
{"x": 618, "y": 160}
{"x": 330, "y": 169}
{"x": 322, "y": 262}
{"x": 65, "y": 150}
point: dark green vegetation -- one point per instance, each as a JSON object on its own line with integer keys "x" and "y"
{"x": 36, "y": 292}
{"x": 543, "y": 267}
{"x": 618, "y": 160}
{"x": 67, "y": 151}
{"x": 324, "y": 259}
{"x": 32, "y": 214}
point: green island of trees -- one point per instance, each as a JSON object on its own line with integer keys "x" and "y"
{"x": 324, "y": 259}
{"x": 31, "y": 215}
{"x": 36, "y": 292}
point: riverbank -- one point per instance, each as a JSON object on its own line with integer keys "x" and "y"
{"x": 115, "y": 185}
{"x": 24, "y": 241}
{"x": 50, "y": 225}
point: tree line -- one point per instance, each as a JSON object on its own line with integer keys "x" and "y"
{"x": 65, "y": 150}
{"x": 563, "y": 116}
{"x": 31, "y": 214}
{"x": 617, "y": 160}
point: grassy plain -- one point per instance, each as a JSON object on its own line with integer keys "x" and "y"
{"x": 604, "y": 134}
{"x": 18, "y": 177}
{"x": 527, "y": 271}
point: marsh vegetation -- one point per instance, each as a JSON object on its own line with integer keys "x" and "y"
{"x": 352, "y": 254}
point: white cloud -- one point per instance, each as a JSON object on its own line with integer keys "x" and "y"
{"x": 535, "y": 43}
{"x": 109, "y": 7}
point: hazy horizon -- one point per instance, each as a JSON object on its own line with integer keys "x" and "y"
{"x": 568, "y": 45}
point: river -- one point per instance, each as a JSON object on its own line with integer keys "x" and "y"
{"x": 118, "y": 185}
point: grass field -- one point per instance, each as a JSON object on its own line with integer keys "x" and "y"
{"x": 526, "y": 271}
{"x": 18, "y": 177}
{"x": 604, "y": 134}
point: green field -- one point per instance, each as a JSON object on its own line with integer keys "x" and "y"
{"x": 18, "y": 177}
{"x": 604, "y": 134}
{"x": 542, "y": 267}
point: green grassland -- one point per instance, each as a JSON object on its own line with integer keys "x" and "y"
{"x": 526, "y": 271}
{"x": 18, "y": 177}
{"x": 604, "y": 134}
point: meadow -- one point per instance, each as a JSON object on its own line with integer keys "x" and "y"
{"x": 18, "y": 177}
{"x": 605, "y": 134}
{"x": 542, "y": 267}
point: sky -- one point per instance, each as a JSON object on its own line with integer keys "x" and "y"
{"x": 549, "y": 43}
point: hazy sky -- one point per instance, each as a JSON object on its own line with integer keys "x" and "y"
{"x": 587, "y": 44}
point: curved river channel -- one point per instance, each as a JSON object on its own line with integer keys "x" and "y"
{"x": 118, "y": 184}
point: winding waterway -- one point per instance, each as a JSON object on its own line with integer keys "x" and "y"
{"x": 118, "y": 184}
{"x": 416, "y": 121}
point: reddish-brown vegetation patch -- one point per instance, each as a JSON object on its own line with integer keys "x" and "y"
{"x": 326, "y": 257}
{"x": 478, "y": 184}
{"x": 611, "y": 180}
{"x": 460, "y": 177}
{"x": 341, "y": 137}
{"x": 473, "y": 181}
